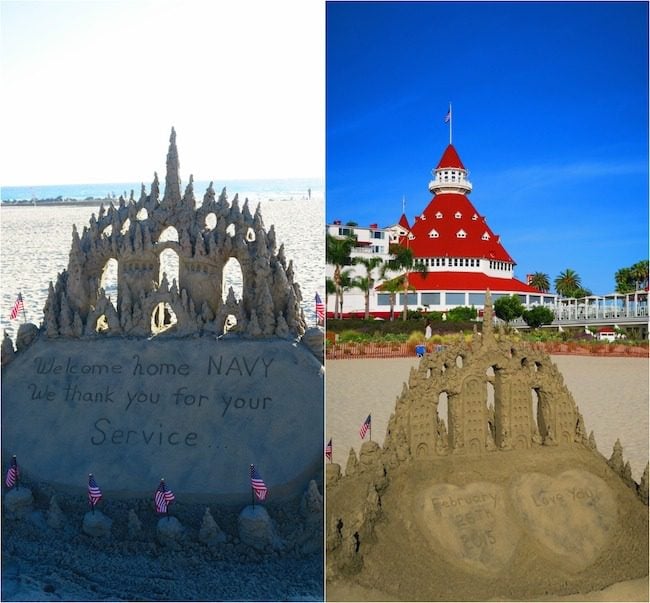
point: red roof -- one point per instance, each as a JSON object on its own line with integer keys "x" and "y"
{"x": 466, "y": 281}
{"x": 403, "y": 222}
{"x": 450, "y": 159}
{"x": 451, "y": 226}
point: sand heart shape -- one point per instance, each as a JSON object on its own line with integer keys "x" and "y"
{"x": 573, "y": 515}
{"x": 470, "y": 524}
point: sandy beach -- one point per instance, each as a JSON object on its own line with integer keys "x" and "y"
{"x": 612, "y": 394}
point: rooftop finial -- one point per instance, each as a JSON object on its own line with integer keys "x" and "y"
{"x": 172, "y": 179}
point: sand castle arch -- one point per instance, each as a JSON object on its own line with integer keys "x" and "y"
{"x": 135, "y": 234}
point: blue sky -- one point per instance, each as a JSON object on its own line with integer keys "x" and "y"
{"x": 550, "y": 116}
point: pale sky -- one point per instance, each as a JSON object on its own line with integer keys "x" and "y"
{"x": 91, "y": 89}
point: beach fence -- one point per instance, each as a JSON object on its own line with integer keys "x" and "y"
{"x": 351, "y": 350}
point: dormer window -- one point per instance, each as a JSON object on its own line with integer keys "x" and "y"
{"x": 475, "y": 217}
{"x": 461, "y": 234}
{"x": 433, "y": 234}
{"x": 458, "y": 215}
{"x": 439, "y": 215}
{"x": 486, "y": 236}
{"x": 411, "y": 236}
{"x": 423, "y": 217}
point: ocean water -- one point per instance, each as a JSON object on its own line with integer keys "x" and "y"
{"x": 35, "y": 243}
{"x": 255, "y": 190}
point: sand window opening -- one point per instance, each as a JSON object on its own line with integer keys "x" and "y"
{"x": 443, "y": 410}
{"x": 108, "y": 281}
{"x": 230, "y": 323}
{"x": 142, "y": 215}
{"x": 490, "y": 371}
{"x": 101, "y": 326}
{"x": 250, "y": 235}
{"x": 230, "y": 230}
{"x": 537, "y": 410}
{"x": 169, "y": 266}
{"x": 163, "y": 317}
{"x": 169, "y": 234}
{"x": 211, "y": 221}
{"x": 125, "y": 227}
{"x": 233, "y": 277}
{"x": 108, "y": 231}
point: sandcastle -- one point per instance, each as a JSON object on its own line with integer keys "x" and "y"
{"x": 511, "y": 500}
{"x": 179, "y": 378}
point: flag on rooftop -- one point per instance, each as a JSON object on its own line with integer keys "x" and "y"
{"x": 18, "y": 307}
{"x": 320, "y": 309}
{"x": 365, "y": 427}
{"x": 163, "y": 497}
{"x": 12, "y": 473}
{"x": 257, "y": 483}
{"x": 448, "y": 116}
{"x": 94, "y": 492}
{"x": 328, "y": 450}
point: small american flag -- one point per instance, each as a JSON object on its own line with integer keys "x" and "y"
{"x": 12, "y": 473}
{"x": 258, "y": 485}
{"x": 448, "y": 117}
{"x": 328, "y": 450}
{"x": 94, "y": 492}
{"x": 163, "y": 497}
{"x": 365, "y": 427}
{"x": 320, "y": 310}
{"x": 18, "y": 307}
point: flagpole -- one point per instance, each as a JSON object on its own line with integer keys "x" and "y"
{"x": 370, "y": 429}
{"x": 24, "y": 313}
{"x": 450, "y": 121}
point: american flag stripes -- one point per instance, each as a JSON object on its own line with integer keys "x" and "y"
{"x": 18, "y": 307}
{"x": 328, "y": 450}
{"x": 12, "y": 473}
{"x": 320, "y": 310}
{"x": 365, "y": 427}
{"x": 163, "y": 497}
{"x": 94, "y": 492}
{"x": 257, "y": 483}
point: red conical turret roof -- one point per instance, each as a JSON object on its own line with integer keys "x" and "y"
{"x": 450, "y": 159}
{"x": 403, "y": 222}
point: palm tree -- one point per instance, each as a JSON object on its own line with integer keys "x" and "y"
{"x": 640, "y": 274}
{"x": 392, "y": 286}
{"x": 403, "y": 260}
{"x": 365, "y": 283}
{"x": 567, "y": 283}
{"x": 346, "y": 282}
{"x": 330, "y": 288}
{"x": 540, "y": 281}
{"x": 337, "y": 254}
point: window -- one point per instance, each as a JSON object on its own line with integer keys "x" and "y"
{"x": 383, "y": 299}
{"x": 433, "y": 234}
{"x": 458, "y": 215}
{"x": 455, "y": 299}
{"x": 475, "y": 217}
{"x": 461, "y": 234}
{"x": 439, "y": 215}
{"x": 430, "y": 299}
{"x": 377, "y": 234}
{"x": 486, "y": 236}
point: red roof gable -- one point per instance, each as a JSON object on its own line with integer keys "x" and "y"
{"x": 450, "y": 159}
{"x": 403, "y": 222}
{"x": 451, "y": 226}
{"x": 466, "y": 281}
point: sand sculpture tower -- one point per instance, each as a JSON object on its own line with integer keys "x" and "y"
{"x": 136, "y": 234}
{"x": 532, "y": 405}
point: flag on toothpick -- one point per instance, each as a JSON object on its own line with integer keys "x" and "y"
{"x": 257, "y": 483}
{"x": 12, "y": 473}
{"x": 320, "y": 310}
{"x": 365, "y": 427}
{"x": 163, "y": 497}
{"x": 328, "y": 450}
{"x": 18, "y": 307}
{"x": 94, "y": 492}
